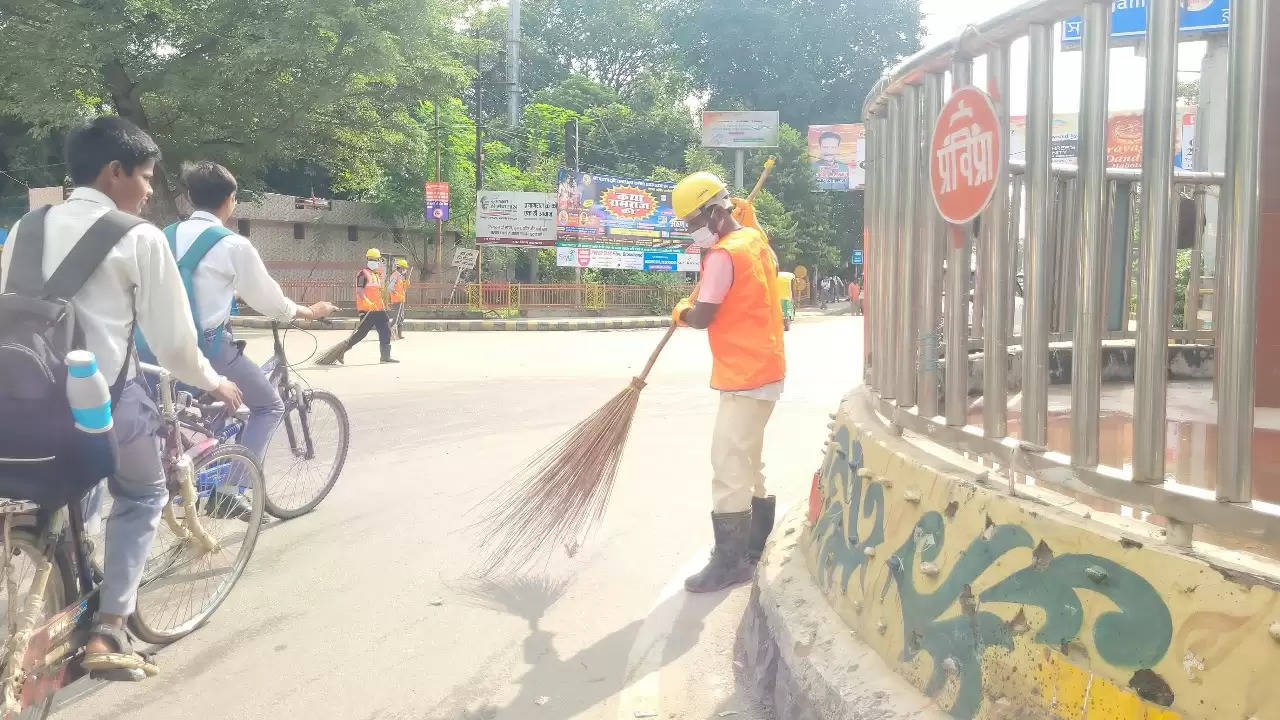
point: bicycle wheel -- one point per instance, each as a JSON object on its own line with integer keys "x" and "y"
{"x": 25, "y": 556}
{"x": 301, "y": 473}
{"x": 183, "y": 583}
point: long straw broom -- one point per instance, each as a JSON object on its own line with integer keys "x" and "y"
{"x": 563, "y": 490}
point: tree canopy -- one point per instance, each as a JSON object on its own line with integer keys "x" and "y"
{"x": 340, "y": 98}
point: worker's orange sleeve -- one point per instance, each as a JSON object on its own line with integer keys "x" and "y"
{"x": 745, "y": 213}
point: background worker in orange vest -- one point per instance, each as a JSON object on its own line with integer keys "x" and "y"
{"x": 399, "y": 286}
{"x": 372, "y": 309}
{"x": 737, "y": 302}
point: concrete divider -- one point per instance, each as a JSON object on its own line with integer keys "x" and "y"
{"x": 1014, "y": 602}
{"x": 599, "y": 323}
{"x": 618, "y": 323}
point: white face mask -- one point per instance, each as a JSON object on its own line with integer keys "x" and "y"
{"x": 703, "y": 237}
{"x": 373, "y": 264}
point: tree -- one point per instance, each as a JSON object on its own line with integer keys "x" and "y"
{"x": 813, "y": 60}
{"x": 28, "y": 158}
{"x": 613, "y": 42}
{"x": 246, "y": 83}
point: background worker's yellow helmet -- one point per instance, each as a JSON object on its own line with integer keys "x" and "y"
{"x": 401, "y": 262}
{"x": 373, "y": 254}
{"x": 695, "y": 191}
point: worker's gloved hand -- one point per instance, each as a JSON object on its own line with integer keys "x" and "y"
{"x": 745, "y": 213}
{"x": 678, "y": 311}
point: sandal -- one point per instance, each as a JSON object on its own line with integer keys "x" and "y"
{"x": 125, "y": 659}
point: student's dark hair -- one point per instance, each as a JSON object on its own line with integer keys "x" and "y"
{"x": 93, "y": 146}
{"x": 830, "y": 135}
{"x": 208, "y": 184}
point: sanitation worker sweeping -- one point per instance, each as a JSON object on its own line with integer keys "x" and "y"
{"x": 564, "y": 489}
{"x": 737, "y": 303}
{"x": 372, "y": 306}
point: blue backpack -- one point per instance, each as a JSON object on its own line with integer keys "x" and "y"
{"x": 187, "y": 265}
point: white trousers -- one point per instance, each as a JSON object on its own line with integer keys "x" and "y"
{"x": 736, "y": 447}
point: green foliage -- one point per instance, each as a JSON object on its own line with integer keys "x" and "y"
{"x": 814, "y": 60}
{"x": 613, "y": 43}
{"x": 1181, "y": 276}
{"x": 340, "y": 98}
{"x": 245, "y": 83}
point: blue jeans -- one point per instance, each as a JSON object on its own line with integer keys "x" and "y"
{"x": 265, "y": 406}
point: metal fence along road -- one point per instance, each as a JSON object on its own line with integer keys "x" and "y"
{"x": 1078, "y": 260}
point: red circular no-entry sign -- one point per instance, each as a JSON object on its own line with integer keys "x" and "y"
{"x": 964, "y": 157}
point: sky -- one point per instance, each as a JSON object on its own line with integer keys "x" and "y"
{"x": 944, "y": 19}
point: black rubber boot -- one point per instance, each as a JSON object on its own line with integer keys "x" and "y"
{"x": 728, "y": 565}
{"x": 762, "y": 512}
{"x": 386, "y": 354}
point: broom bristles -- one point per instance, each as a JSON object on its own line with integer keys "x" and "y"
{"x": 561, "y": 494}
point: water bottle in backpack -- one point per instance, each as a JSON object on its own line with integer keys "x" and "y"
{"x": 90, "y": 401}
{"x": 87, "y": 393}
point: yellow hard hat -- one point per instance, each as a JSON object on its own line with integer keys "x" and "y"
{"x": 373, "y": 254}
{"x": 401, "y": 262}
{"x": 695, "y": 191}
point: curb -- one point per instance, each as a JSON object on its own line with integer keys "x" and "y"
{"x": 803, "y": 657}
{"x": 550, "y": 324}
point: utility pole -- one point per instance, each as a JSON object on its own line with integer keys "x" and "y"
{"x": 513, "y": 61}
{"x": 439, "y": 223}
{"x": 513, "y": 99}
{"x": 479, "y": 114}
{"x": 571, "y": 162}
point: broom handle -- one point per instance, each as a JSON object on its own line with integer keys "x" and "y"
{"x": 764, "y": 175}
{"x": 653, "y": 357}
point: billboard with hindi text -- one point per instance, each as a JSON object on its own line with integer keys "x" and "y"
{"x": 740, "y": 128}
{"x": 615, "y": 210}
{"x": 515, "y": 219}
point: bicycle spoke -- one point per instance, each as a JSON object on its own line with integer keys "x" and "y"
{"x": 198, "y": 573}
{"x": 295, "y": 483}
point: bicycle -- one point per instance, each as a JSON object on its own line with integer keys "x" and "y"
{"x": 176, "y": 596}
{"x": 313, "y": 422}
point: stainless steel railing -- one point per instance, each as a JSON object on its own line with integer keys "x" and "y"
{"x": 1071, "y": 233}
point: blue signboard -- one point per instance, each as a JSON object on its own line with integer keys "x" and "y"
{"x": 435, "y": 201}
{"x": 661, "y": 261}
{"x": 1129, "y": 20}
{"x": 857, "y": 257}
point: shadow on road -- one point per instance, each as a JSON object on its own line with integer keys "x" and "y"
{"x": 573, "y": 684}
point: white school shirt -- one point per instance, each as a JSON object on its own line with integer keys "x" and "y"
{"x": 232, "y": 266}
{"x": 139, "y": 266}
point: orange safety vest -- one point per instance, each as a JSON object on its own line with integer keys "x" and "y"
{"x": 746, "y": 333}
{"x": 399, "y": 285}
{"x": 369, "y": 297}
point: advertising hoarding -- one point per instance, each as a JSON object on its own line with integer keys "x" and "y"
{"x": 515, "y": 219}
{"x": 614, "y": 210}
{"x": 740, "y": 128}
{"x": 838, "y": 155}
{"x": 435, "y": 200}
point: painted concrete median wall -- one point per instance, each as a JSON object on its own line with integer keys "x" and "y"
{"x": 1018, "y": 608}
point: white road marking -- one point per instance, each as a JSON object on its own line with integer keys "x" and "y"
{"x": 644, "y": 661}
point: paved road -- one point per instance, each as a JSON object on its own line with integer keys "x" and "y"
{"x": 368, "y": 609}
